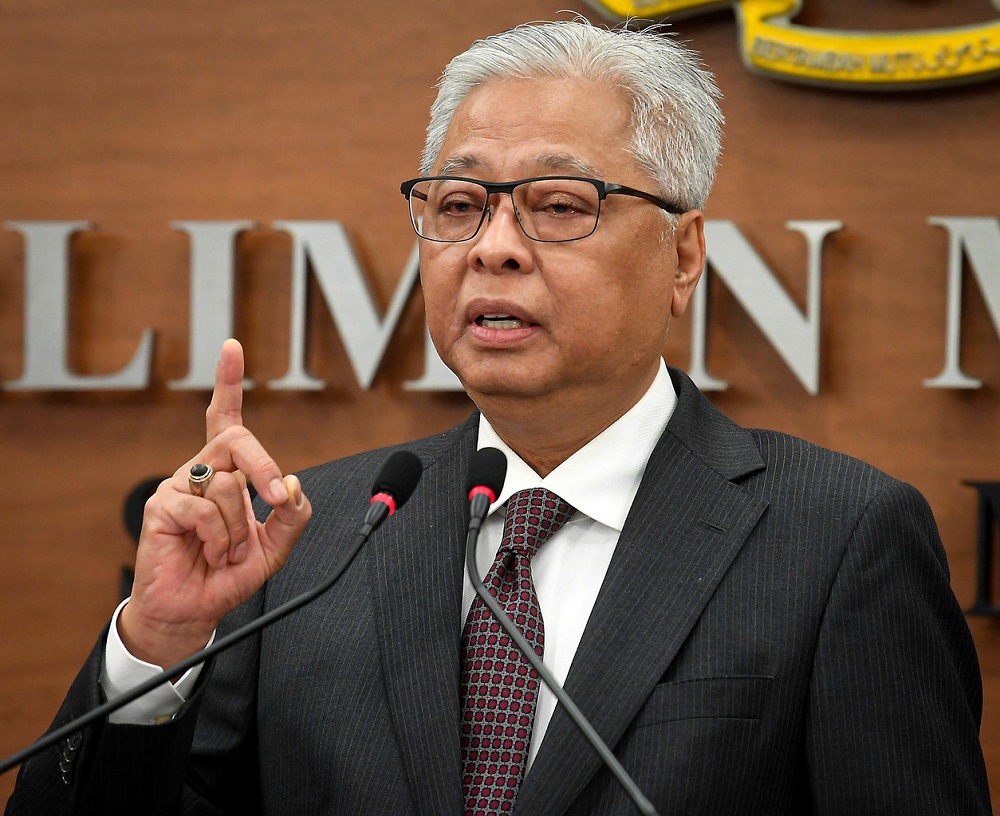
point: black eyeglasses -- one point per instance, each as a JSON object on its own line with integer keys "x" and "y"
{"x": 549, "y": 208}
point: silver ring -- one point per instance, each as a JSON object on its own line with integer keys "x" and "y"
{"x": 199, "y": 477}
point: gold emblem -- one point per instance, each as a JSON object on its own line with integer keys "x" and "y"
{"x": 774, "y": 45}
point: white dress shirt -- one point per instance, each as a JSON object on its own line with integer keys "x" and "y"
{"x": 600, "y": 480}
{"x": 122, "y": 671}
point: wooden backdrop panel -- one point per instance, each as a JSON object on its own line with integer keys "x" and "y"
{"x": 134, "y": 117}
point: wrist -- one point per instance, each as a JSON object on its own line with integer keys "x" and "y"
{"x": 158, "y": 643}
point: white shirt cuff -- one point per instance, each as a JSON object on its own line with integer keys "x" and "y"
{"x": 122, "y": 671}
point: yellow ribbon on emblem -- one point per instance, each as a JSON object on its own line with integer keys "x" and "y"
{"x": 772, "y": 44}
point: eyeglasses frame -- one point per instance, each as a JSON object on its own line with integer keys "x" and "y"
{"x": 604, "y": 189}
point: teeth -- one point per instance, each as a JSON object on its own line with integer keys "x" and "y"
{"x": 498, "y": 321}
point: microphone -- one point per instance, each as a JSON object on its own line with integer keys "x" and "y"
{"x": 395, "y": 484}
{"x": 485, "y": 480}
{"x": 486, "y": 477}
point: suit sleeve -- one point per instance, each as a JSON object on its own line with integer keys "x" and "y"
{"x": 104, "y": 768}
{"x": 201, "y": 762}
{"x": 895, "y": 699}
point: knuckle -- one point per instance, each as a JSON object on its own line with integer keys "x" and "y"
{"x": 235, "y": 436}
{"x": 237, "y": 517}
{"x": 212, "y": 527}
{"x": 162, "y": 489}
{"x": 262, "y": 462}
{"x": 228, "y": 435}
{"x": 224, "y": 484}
{"x": 241, "y": 529}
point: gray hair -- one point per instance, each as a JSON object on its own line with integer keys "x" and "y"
{"x": 677, "y": 123}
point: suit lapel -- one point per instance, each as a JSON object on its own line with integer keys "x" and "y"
{"x": 416, "y": 577}
{"x": 686, "y": 526}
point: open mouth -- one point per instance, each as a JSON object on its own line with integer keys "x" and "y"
{"x": 500, "y": 321}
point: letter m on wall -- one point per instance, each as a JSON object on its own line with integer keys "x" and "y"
{"x": 793, "y": 334}
{"x": 978, "y": 241}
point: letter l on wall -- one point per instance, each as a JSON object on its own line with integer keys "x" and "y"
{"x": 46, "y": 314}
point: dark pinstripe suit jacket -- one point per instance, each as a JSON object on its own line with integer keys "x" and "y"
{"x": 776, "y": 635}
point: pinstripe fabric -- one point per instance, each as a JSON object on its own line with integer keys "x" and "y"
{"x": 776, "y": 635}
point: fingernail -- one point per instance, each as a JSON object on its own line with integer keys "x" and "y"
{"x": 239, "y": 553}
{"x": 279, "y": 494}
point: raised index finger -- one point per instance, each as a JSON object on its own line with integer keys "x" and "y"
{"x": 226, "y": 408}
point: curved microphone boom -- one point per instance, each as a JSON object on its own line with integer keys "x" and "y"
{"x": 486, "y": 477}
{"x": 395, "y": 484}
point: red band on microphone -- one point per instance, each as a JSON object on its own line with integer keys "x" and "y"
{"x": 387, "y": 500}
{"x": 483, "y": 490}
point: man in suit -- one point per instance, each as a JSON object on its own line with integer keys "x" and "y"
{"x": 754, "y": 624}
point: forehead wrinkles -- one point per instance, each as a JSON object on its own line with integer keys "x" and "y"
{"x": 539, "y": 126}
{"x": 558, "y": 163}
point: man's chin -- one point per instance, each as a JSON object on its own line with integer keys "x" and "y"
{"x": 499, "y": 376}
{"x": 500, "y": 387}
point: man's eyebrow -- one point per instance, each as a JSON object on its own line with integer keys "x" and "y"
{"x": 566, "y": 163}
{"x": 460, "y": 163}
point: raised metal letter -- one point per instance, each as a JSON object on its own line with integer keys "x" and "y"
{"x": 46, "y": 308}
{"x": 342, "y": 283}
{"x": 211, "y": 297}
{"x": 980, "y": 238}
{"x": 794, "y": 335}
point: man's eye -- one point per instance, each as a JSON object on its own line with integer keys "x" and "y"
{"x": 459, "y": 206}
{"x": 562, "y": 206}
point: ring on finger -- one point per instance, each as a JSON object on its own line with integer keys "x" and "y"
{"x": 199, "y": 477}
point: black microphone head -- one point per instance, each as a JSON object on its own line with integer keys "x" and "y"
{"x": 399, "y": 476}
{"x": 488, "y": 469}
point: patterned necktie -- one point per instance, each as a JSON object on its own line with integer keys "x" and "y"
{"x": 499, "y": 687}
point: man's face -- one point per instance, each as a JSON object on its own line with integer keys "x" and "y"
{"x": 584, "y": 322}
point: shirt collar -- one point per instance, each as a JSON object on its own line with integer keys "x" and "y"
{"x": 601, "y": 479}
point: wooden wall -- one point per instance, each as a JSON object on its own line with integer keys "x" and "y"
{"x": 134, "y": 115}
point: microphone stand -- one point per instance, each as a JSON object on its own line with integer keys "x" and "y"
{"x": 377, "y": 513}
{"x": 641, "y": 802}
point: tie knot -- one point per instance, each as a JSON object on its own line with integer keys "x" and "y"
{"x": 532, "y": 516}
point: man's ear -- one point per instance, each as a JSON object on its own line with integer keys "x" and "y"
{"x": 689, "y": 244}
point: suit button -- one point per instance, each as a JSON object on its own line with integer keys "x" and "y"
{"x": 67, "y": 756}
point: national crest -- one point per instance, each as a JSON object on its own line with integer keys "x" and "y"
{"x": 774, "y": 45}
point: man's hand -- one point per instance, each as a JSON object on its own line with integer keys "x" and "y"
{"x": 201, "y": 557}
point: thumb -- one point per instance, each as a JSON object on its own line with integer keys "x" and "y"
{"x": 285, "y": 523}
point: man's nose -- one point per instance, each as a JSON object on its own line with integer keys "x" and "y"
{"x": 501, "y": 245}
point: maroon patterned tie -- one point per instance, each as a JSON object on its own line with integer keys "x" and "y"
{"x": 499, "y": 687}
